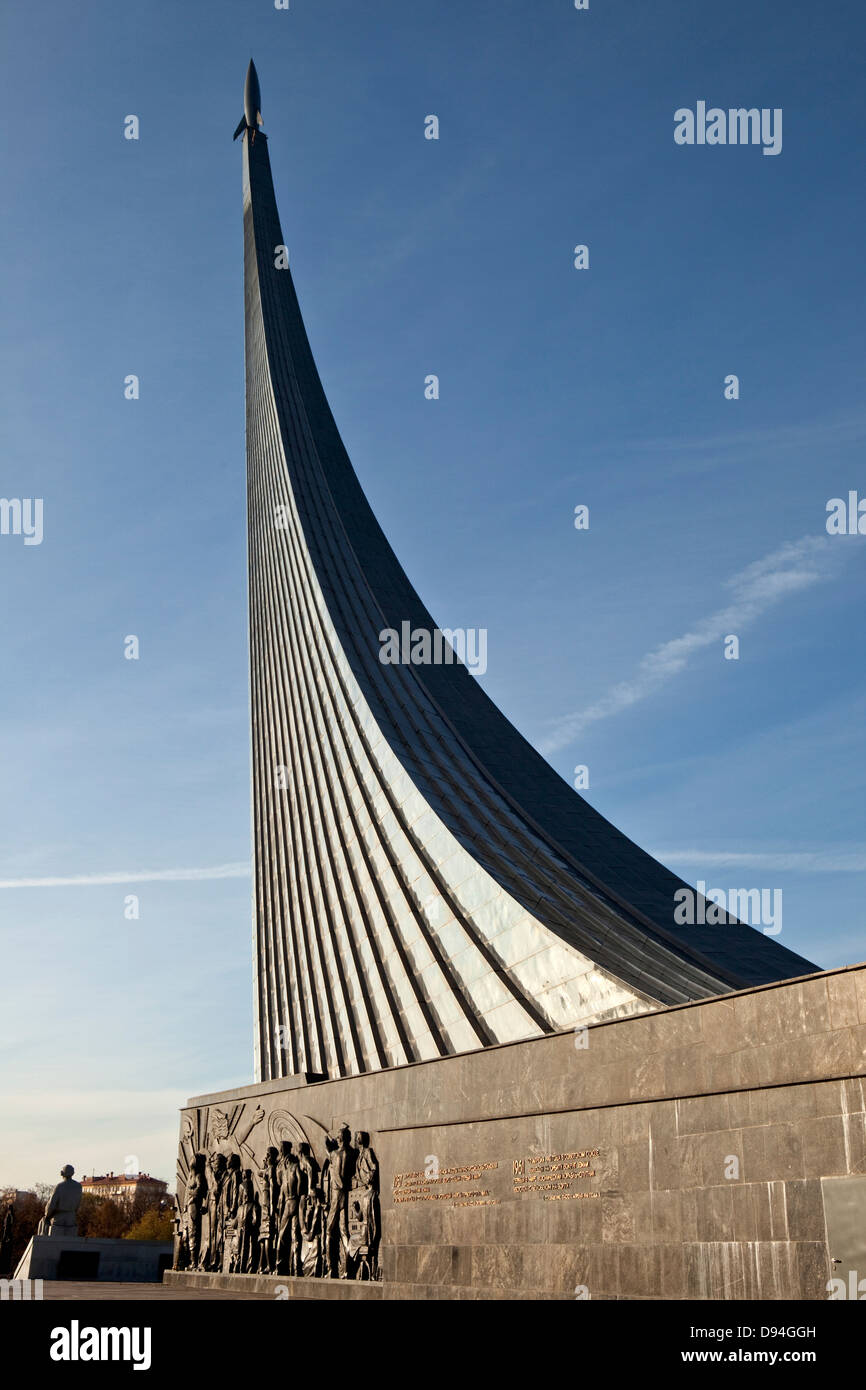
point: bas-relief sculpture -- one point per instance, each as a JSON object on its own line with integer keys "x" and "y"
{"x": 285, "y": 1212}
{"x": 61, "y": 1214}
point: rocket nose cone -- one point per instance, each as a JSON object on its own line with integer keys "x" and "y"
{"x": 252, "y": 96}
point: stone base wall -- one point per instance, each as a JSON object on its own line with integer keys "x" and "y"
{"x": 280, "y": 1287}
{"x": 675, "y": 1155}
{"x": 111, "y": 1260}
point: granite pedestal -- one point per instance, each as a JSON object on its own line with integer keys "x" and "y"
{"x": 79, "y": 1257}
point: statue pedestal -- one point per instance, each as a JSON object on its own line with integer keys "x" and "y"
{"x": 78, "y": 1258}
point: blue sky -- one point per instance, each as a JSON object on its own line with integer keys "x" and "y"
{"x": 558, "y": 387}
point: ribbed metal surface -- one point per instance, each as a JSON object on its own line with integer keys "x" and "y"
{"x": 424, "y": 882}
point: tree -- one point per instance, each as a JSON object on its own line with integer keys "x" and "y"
{"x": 153, "y": 1225}
{"x": 102, "y": 1218}
{"x": 28, "y": 1209}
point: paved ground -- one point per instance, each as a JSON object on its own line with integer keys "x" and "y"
{"x": 90, "y": 1290}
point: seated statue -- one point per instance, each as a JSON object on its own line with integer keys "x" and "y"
{"x": 61, "y": 1214}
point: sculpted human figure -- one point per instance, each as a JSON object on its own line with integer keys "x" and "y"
{"x": 214, "y": 1256}
{"x": 231, "y": 1188}
{"x": 246, "y": 1223}
{"x": 310, "y": 1213}
{"x": 288, "y": 1226}
{"x": 325, "y": 1189}
{"x": 268, "y": 1185}
{"x": 61, "y": 1214}
{"x": 341, "y": 1169}
{"x": 258, "y": 1251}
{"x": 365, "y": 1191}
{"x": 310, "y": 1194}
{"x": 194, "y": 1200}
{"x": 366, "y": 1163}
{"x": 179, "y": 1247}
{"x": 229, "y": 1198}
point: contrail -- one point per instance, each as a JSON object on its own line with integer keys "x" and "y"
{"x": 822, "y": 861}
{"x": 241, "y": 870}
{"x": 796, "y": 566}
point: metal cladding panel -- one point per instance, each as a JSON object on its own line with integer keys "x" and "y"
{"x": 425, "y": 883}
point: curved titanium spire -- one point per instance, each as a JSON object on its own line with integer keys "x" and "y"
{"x": 425, "y": 883}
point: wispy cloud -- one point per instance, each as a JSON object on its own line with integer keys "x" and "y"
{"x": 821, "y": 861}
{"x": 241, "y": 870}
{"x": 795, "y": 566}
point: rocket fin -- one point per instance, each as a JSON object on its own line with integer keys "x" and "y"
{"x": 241, "y": 123}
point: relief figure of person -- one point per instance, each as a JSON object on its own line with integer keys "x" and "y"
{"x": 288, "y": 1252}
{"x": 246, "y": 1224}
{"x": 194, "y": 1201}
{"x": 268, "y": 1187}
{"x": 341, "y": 1168}
{"x": 229, "y": 1198}
{"x": 365, "y": 1191}
{"x": 310, "y": 1213}
{"x": 214, "y": 1255}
